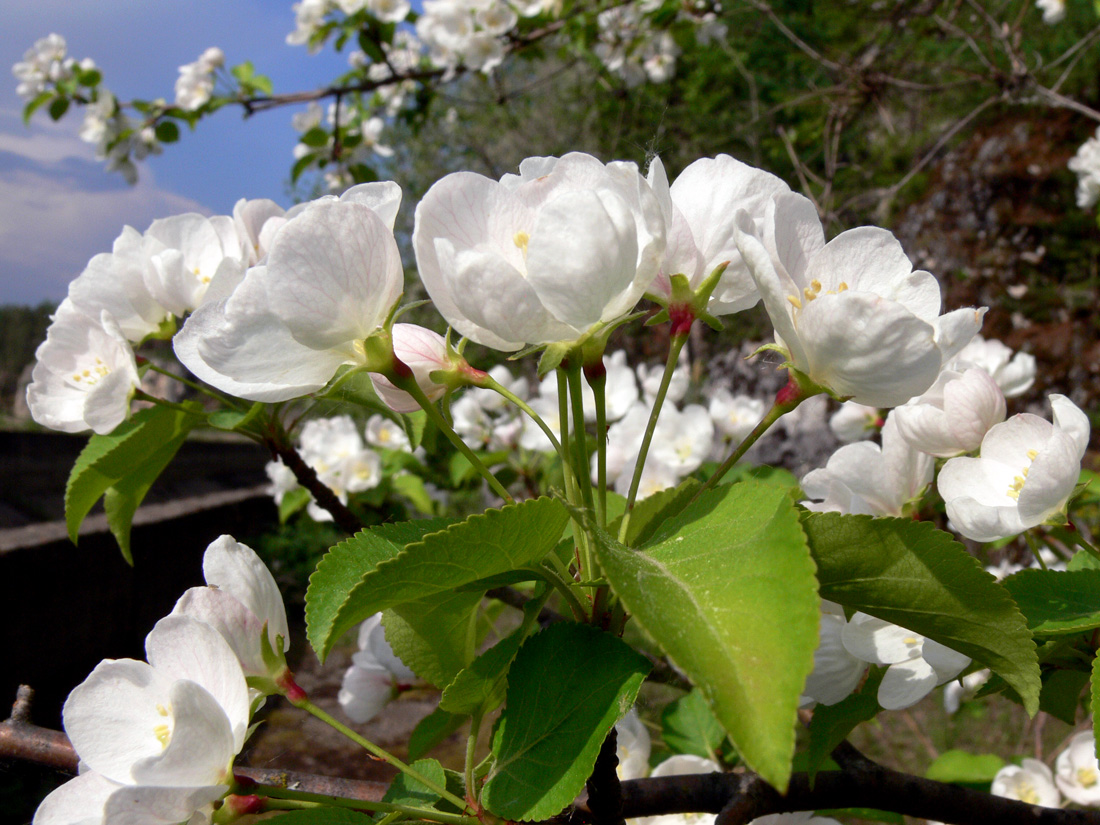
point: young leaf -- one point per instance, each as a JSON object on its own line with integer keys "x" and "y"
{"x": 346, "y": 563}
{"x": 435, "y": 637}
{"x": 727, "y": 590}
{"x": 920, "y": 578}
{"x": 431, "y": 730}
{"x": 567, "y": 688}
{"x": 965, "y": 768}
{"x": 407, "y": 791}
{"x": 482, "y": 546}
{"x": 1057, "y": 602}
{"x": 689, "y": 726}
{"x": 293, "y": 501}
{"x": 107, "y": 459}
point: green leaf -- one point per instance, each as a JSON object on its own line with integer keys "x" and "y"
{"x": 293, "y": 501}
{"x": 233, "y": 419}
{"x": 36, "y": 104}
{"x": 243, "y": 71}
{"x": 728, "y": 592}
{"x": 1083, "y": 560}
{"x": 58, "y": 107}
{"x": 1061, "y": 694}
{"x": 480, "y": 687}
{"x": 920, "y": 578}
{"x": 88, "y": 77}
{"x": 831, "y": 724}
{"x": 412, "y": 487}
{"x": 965, "y": 768}
{"x": 107, "y": 459}
{"x": 431, "y": 730}
{"x": 405, "y": 790}
{"x": 559, "y": 710}
{"x": 689, "y": 726}
{"x": 262, "y": 83}
{"x": 345, "y": 565}
{"x": 652, "y": 512}
{"x": 122, "y": 499}
{"x": 1094, "y": 704}
{"x": 414, "y": 424}
{"x": 315, "y": 137}
{"x": 484, "y": 545}
{"x": 1056, "y": 602}
{"x": 435, "y": 637}
{"x": 300, "y": 165}
{"x": 167, "y": 131}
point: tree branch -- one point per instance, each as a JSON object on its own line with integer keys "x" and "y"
{"x": 307, "y": 477}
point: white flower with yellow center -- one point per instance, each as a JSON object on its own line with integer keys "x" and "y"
{"x": 85, "y": 374}
{"x": 852, "y": 315}
{"x": 1032, "y": 782}
{"x": 1077, "y": 771}
{"x": 632, "y": 746}
{"x": 1024, "y": 475}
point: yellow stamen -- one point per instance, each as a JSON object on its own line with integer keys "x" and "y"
{"x": 163, "y": 735}
{"x": 843, "y": 286}
{"x": 1027, "y": 794}
{"x": 797, "y": 304}
{"x": 521, "y": 239}
{"x": 1087, "y": 777}
{"x": 1032, "y": 454}
{"x": 910, "y": 640}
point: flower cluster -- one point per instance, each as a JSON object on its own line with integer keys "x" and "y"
{"x": 157, "y": 739}
{"x": 45, "y": 64}
{"x": 196, "y": 81}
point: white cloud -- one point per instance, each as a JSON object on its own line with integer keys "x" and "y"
{"x": 58, "y": 207}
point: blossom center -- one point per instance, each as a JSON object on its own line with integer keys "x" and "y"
{"x": 1027, "y": 793}
{"x": 1087, "y": 777}
{"x": 1017, "y": 485}
{"x": 813, "y": 291}
{"x": 521, "y": 239}
{"x": 163, "y": 732}
{"x": 90, "y": 376}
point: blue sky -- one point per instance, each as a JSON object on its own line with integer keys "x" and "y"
{"x": 58, "y": 206}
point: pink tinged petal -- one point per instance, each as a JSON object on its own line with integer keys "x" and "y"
{"x": 200, "y": 746}
{"x": 365, "y": 692}
{"x": 866, "y": 348}
{"x": 880, "y": 642}
{"x": 161, "y": 805}
{"x": 905, "y": 684}
{"x": 112, "y": 717}
{"x": 1069, "y": 419}
{"x": 582, "y": 255}
{"x": 333, "y": 274}
{"x": 869, "y": 259}
{"x": 183, "y": 648}
{"x": 494, "y": 295}
{"x": 80, "y": 801}
{"x": 681, "y": 252}
{"x": 236, "y": 569}
{"x": 382, "y": 197}
{"x": 236, "y": 623}
{"x": 774, "y": 288}
{"x": 421, "y": 350}
{"x": 955, "y": 329}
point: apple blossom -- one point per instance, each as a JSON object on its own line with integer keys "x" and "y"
{"x": 837, "y": 673}
{"x": 375, "y": 675}
{"x": 1054, "y": 11}
{"x": 953, "y": 415}
{"x": 632, "y": 746}
{"x": 242, "y": 602}
{"x": 177, "y": 721}
{"x": 914, "y": 664}
{"x": 196, "y": 81}
{"x": 1086, "y": 164}
{"x": 1031, "y": 782}
{"x": 963, "y": 689}
{"x": 683, "y": 438}
{"x": 332, "y": 276}
{"x": 91, "y": 799}
{"x": 698, "y": 208}
{"x": 85, "y": 374}
{"x": 187, "y": 253}
{"x": 1014, "y": 374}
{"x": 540, "y": 257}
{"x": 855, "y": 422}
{"x": 1077, "y": 771}
{"x": 384, "y": 433}
{"x": 851, "y": 315}
{"x": 864, "y": 478}
{"x": 1024, "y": 475}
{"x": 735, "y": 416}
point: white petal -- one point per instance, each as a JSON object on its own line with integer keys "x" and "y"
{"x": 905, "y": 684}
{"x": 236, "y": 569}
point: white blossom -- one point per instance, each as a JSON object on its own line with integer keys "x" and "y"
{"x": 1031, "y": 782}
{"x": 1086, "y": 164}
{"x": 1077, "y": 772}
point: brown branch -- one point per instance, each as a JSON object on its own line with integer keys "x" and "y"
{"x": 307, "y": 477}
